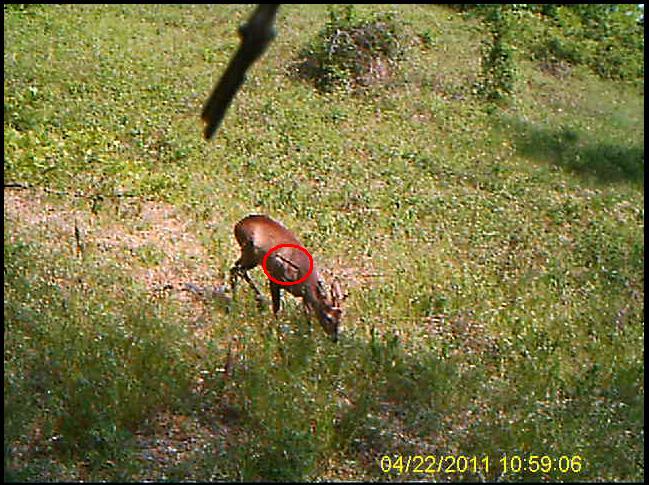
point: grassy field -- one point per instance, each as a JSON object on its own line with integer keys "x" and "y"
{"x": 493, "y": 257}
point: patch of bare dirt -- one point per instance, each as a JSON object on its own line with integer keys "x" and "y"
{"x": 29, "y": 208}
{"x": 558, "y": 69}
{"x": 156, "y": 228}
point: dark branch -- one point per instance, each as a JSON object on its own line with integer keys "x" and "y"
{"x": 255, "y": 37}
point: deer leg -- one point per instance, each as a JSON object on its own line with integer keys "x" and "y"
{"x": 275, "y": 294}
{"x": 258, "y": 296}
{"x": 308, "y": 310}
{"x": 234, "y": 273}
{"x": 239, "y": 271}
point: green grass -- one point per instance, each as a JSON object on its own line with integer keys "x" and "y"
{"x": 495, "y": 256}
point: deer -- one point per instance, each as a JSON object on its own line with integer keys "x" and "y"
{"x": 257, "y": 234}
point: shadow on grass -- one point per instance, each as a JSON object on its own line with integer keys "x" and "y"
{"x": 578, "y": 152}
{"x": 370, "y": 394}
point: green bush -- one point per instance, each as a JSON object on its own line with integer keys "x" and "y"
{"x": 352, "y": 50}
{"x": 499, "y": 71}
{"x": 608, "y": 39}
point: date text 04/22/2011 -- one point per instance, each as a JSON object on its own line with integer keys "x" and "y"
{"x": 460, "y": 464}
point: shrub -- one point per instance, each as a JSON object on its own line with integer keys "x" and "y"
{"x": 351, "y": 50}
{"x": 608, "y": 39}
{"x": 499, "y": 70}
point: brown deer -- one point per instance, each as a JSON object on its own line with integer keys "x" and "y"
{"x": 258, "y": 234}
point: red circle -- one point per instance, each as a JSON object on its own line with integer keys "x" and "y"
{"x": 287, "y": 283}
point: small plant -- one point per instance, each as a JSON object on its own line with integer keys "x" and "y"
{"x": 427, "y": 39}
{"x": 352, "y": 51}
{"x": 499, "y": 71}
